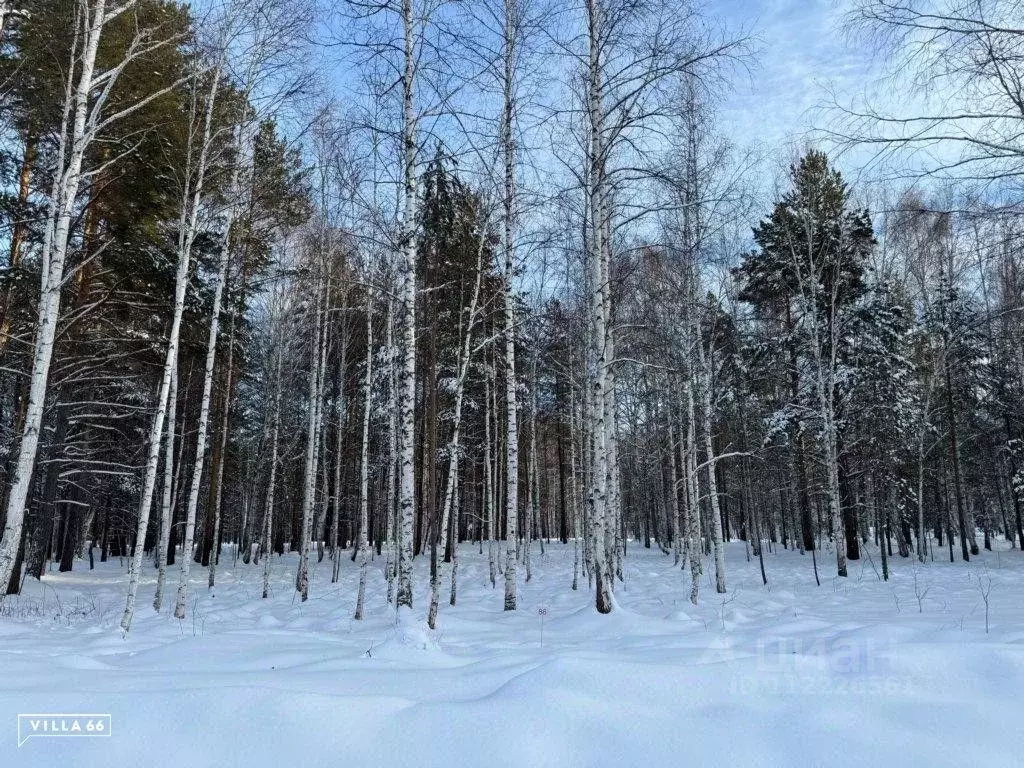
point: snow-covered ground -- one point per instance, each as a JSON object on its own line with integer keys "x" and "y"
{"x": 854, "y": 672}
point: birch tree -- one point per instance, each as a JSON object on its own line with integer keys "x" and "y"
{"x": 363, "y": 548}
{"x": 631, "y": 51}
{"x": 454, "y": 445}
{"x": 166, "y": 502}
{"x": 403, "y": 38}
{"x": 407, "y": 310}
{"x": 84, "y": 118}
{"x": 266, "y": 542}
{"x": 202, "y": 428}
{"x": 261, "y": 58}
{"x": 510, "y": 43}
{"x": 317, "y": 364}
{"x": 200, "y": 147}
{"x": 401, "y": 49}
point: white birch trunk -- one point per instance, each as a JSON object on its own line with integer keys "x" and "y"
{"x": 705, "y": 363}
{"x": 391, "y": 510}
{"x": 677, "y": 546}
{"x": 489, "y": 500}
{"x": 454, "y": 445}
{"x": 268, "y": 527}
{"x": 363, "y": 551}
{"x": 72, "y": 145}
{"x": 188, "y": 222}
{"x": 508, "y": 118}
{"x": 202, "y": 428}
{"x": 602, "y": 514}
{"x": 407, "y": 271}
{"x": 531, "y": 470}
{"x": 825, "y": 386}
{"x": 225, "y": 424}
{"x": 341, "y": 415}
{"x": 692, "y": 496}
{"x": 312, "y": 442}
{"x": 921, "y": 453}
{"x": 455, "y": 545}
{"x": 614, "y": 538}
{"x": 166, "y": 507}
{"x": 577, "y": 521}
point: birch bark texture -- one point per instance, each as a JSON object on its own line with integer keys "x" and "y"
{"x": 407, "y": 300}
{"x": 83, "y": 119}
{"x": 200, "y": 142}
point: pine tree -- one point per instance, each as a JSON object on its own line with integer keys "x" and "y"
{"x": 809, "y": 270}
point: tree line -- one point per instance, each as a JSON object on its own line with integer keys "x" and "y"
{"x": 501, "y": 279}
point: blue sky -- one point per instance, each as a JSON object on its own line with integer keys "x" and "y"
{"x": 798, "y": 51}
{"x": 801, "y": 52}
